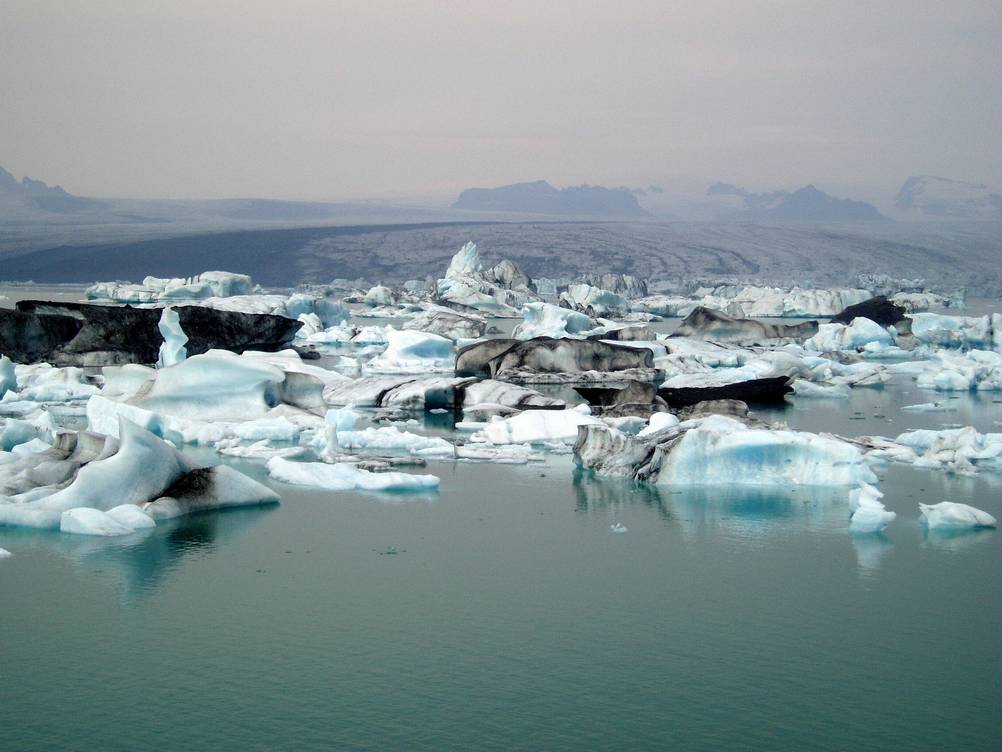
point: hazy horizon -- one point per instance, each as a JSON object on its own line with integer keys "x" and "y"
{"x": 332, "y": 101}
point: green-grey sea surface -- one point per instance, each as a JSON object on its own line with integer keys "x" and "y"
{"x": 503, "y": 613}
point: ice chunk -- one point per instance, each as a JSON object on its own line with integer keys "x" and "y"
{"x": 659, "y": 421}
{"x": 131, "y": 516}
{"x": 618, "y": 527}
{"x": 380, "y": 295}
{"x": 466, "y": 284}
{"x": 345, "y": 477}
{"x": 952, "y": 331}
{"x": 8, "y": 376}
{"x": 272, "y": 429}
{"x": 448, "y": 323}
{"x": 867, "y": 512}
{"x": 532, "y": 426}
{"x": 392, "y": 439}
{"x": 594, "y": 301}
{"x": 14, "y": 432}
{"x": 802, "y": 388}
{"x": 860, "y": 333}
{"x": 870, "y": 518}
{"x": 4, "y": 553}
{"x": 414, "y": 352}
{"x": 173, "y": 350}
{"x": 90, "y": 521}
{"x": 722, "y": 450}
{"x": 949, "y": 515}
{"x": 547, "y": 320}
{"x": 141, "y": 469}
{"x": 489, "y": 391}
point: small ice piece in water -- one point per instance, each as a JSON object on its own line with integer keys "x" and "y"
{"x": 868, "y": 513}
{"x": 618, "y": 527}
{"x": 4, "y": 553}
{"x": 342, "y": 476}
{"x": 90, "y": 521}
{"x": 950, "y": 515}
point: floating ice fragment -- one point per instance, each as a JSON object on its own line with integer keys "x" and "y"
{"x": 949, "y": 515}
{"x": 345, "y": 477}
{"x": 618, "y": 527}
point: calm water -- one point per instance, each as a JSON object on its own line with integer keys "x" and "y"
{"x": 502, "y": 613}
{"x": 510, "y": 617}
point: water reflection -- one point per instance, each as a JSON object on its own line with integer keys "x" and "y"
{"x": 145, "y": 559}
{"x": 956, "y": 541}
{"x": 748, "y": 513}
{"x": 870, "y": 551}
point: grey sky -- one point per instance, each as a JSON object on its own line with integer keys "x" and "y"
{"x": 327, "y": 100}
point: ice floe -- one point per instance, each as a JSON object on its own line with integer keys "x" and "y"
{"x": 950, "y": 515}
{"x": 342, "y": 476}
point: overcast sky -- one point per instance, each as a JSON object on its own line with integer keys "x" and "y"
{"x": 328, "y": 100}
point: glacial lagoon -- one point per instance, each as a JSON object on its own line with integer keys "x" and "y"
{"x": 503, "y": 612}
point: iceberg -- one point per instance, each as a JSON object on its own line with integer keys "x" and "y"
{"x": 172, "y": 351}
{"x": 409, "y": 351}
{"x": 465, "y": 284}
{"x": 952, "y": 331}
{"x": 101, "y": 473}
{"x": 392, "y": 439}
{"x": 342, "y": 476}
{"x": 594, "y": 301}
{"x": 8, "y": 376}
{"x": 860, "y": 333}
{"x": 721, "y": 450}
{"x": 949, "y": 515}
{"x": 534, "y": 426}
{"x": 867, "y": 512}
{"x": 206, "y": 284}
{"x": 448, "y": 323}
{"x": 547, "y": 320}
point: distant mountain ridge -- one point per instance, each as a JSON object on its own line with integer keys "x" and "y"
{"x": 930, "y": 196}
{"x": 539, "y": 197}
{"x": 807, "y": 204}
{"x": 37, "y": 195}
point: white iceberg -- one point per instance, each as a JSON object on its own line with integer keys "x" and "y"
{"x": 868, "y": 514}
{"x": 949, "y": 515}
{"x": 414, "y": 352}
{"x": 534, "y": 426}
{"x": 346, "y": 477}
{"x": 547, "y": 320}
{"x": 392, "y": 439}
